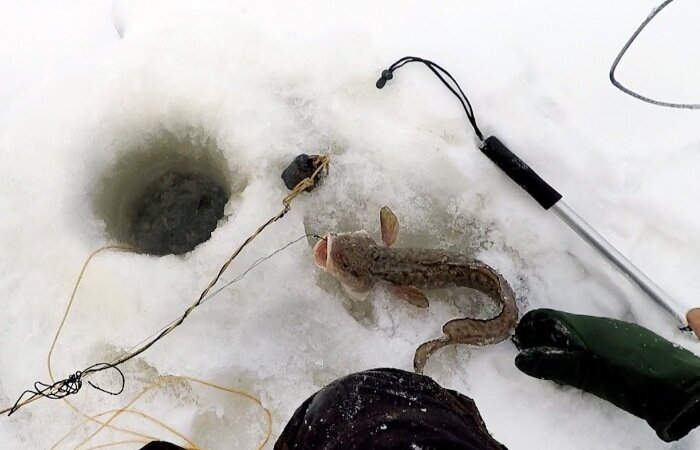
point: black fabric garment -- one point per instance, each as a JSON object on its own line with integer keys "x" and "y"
{"x": 623, "y": 363}
{"x": 386, "y": 409}
{"x": 160, "y": 445}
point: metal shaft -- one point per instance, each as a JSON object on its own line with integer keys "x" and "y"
{"x": 593, "y": 238}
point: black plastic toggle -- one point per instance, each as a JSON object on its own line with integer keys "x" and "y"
{"x": 386, "y": 76}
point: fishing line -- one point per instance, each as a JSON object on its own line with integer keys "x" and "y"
{"x": 63, "y": 388}
{"x": 69, "y": 386}
{"x": 209, "y": 297}
{"x": 216, "y": 292}
{"x": 260, "y": 261}
{"x": 627, "y": 45}
{"x": 72, "y": 384}
{"x": 143, "y": 438}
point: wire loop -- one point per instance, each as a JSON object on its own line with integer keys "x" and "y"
{"x": 627, "y": 45}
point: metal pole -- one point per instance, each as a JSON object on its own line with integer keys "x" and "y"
{"x": 592, "y": 237}
{"x": 549, "y": 198}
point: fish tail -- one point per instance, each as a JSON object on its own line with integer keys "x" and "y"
{"x": 472, "y": 331}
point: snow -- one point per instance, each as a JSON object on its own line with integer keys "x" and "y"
{"x": 268, "y": 81}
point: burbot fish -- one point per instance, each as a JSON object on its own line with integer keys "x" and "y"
{"x": 360, "y": 263}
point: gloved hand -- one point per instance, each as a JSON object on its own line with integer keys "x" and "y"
{"x": 623, "y": 363}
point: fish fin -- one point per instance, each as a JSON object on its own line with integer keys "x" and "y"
{"x": 355, "y": 295}
{"x": 389, "y": 225}
{"x": 410, "y": 294}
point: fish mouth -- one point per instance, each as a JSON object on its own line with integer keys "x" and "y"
{"x": 321, "y": 251}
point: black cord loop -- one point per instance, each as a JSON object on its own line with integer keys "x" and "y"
{"x": 441, "y": 73}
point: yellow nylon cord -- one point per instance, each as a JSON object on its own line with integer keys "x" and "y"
{"x": 126, "y": 409}
{"x": 144, "y": 438}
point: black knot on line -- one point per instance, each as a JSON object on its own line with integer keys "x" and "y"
{"x": 386, "y": 76}
{"x": 68, "y": 386}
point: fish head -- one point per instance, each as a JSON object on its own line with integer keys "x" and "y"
{"x": 348, "y": 257}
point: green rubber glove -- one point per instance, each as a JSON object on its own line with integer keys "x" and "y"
{"x": 623, "y": 363}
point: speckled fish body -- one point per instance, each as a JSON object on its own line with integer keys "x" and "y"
{"x": 359, "y": 263}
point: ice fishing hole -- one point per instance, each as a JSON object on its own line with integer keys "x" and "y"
{"x": 167, "y": 194}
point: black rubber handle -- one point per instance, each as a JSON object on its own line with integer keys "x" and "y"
{"x": 520, "y": 172}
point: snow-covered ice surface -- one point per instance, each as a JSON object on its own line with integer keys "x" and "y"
{"x": 269, "y": 80}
